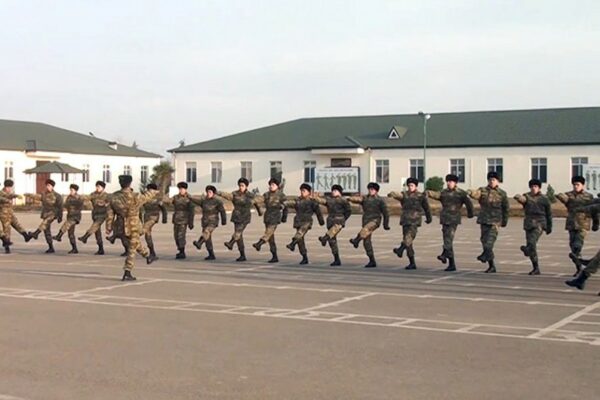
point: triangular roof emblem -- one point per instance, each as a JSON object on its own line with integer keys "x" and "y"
{"x": 397, "y": 132}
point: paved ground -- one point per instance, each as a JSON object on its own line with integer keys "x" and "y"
{"x": 193, "y": 330}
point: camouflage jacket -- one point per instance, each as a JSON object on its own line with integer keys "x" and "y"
{"x": 538, "y": 211}
{"x": 153, "y": 209}
{"x": 305, "y": 208}
{"x": 275, "y": 210}
{"x": 127, "y": 205}
{"x": 183, "y": 210}
{"x": 52, "y": 204}
{"x": 6, "y": 204}
{"x": 74, "y": 205}
{"x": 211, "y": 210}
{"x": 338, "y": 210}
{"x": 577, "y": 220}
{"x": 242, "y": 206}
{"x": 374, "y": 208}
{"x": 452, "y": 202}
{"x": 100, "y": 204}
{"x": 494, "y": 205}
{"x": 414, "y": 205}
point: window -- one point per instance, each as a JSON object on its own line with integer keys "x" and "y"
{"x": 216, "y": 171}
{"x": 309, "y": 171}
{"x": 9, "y": 170}
{"x": 246, "y": 170}
{"x": 417, "y": 170}
{"x": 457, "y": 167}
{"x": 341, "y": 162}
{"x": 106, "y": 175}
{"x": 85, "y": 177}
{"x": 144, "y": 174}
{"x": 190, "y": 172}
{"x": 64, "y": 177}
{"x": 276, "y": 170}
{"x": 127, "y": 170}
{"x": 577, "y": 164}
{"x": 382, "y": 171}
{"x": 496, "y": 165}
{"x": 539, "y": 169}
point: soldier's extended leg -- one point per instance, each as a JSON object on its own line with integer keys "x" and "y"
{"x": 5, "y": 239}
{"x": 99, "y": 242}
{"x": 48, "y": 236}
{"x": 591, "y": 267}
{"x": 241, "y": 249}
{"x": 368, "y": 245}
{"x": 147, "y": 229}
{"x": 16, "y": 225}
{"x": 179, "y": 231}
{"x": 489, "y": 234}
{"x": 300, "y": 232}
{"x": 364, "y": 233}
{"x": 532, "y": 237}
{"x": 335, "y": 252}
{"x": 72, "y": 239}
{"x": 576, "y": 241}
{"x": 269, "y": 232}
{"x": 409, "y": 233}
{"x": 210, "y": 249}
{"x": 65, "y": 227}
{"x": 332, "y": 232}
{"x": 238, "y": 231}
{"x": 303, "y": 251}
{"x": 43, "y": 225}
{"x": 448, "y": 233}
{"x": 273, "y": 247}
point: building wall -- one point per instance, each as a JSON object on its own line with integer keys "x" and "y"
{"x": 516, "y": 164}
{"x": 25, "y": 183}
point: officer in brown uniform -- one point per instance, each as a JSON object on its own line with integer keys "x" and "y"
{"x": 52, "y": 205}
{"x": 538, "y": 219}
{"x": 100, "y": 202}
{"x": 305, "y": 206}
{"x": 243, "y": 201}
{"x": 338, "y": 212}
{"x": 152, "y": 211}
{"x": 74, "y": 204}
{"x": 183, "y": 218}
{"x": 414, "y": 205}
{"x": 275, "y": 213}
{"x": 8, "y": 219}
{"x": 374, "y": 208}
{"x": 212, "y": 207}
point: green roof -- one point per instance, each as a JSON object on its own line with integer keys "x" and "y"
{"x": 54, "y": 167}
{"x": 560, "y": 126}
{"x": 35, "y": 136}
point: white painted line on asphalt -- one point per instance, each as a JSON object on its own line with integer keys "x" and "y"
{"x": 122, "y": 285}
{"x": 565, "y": 321}
{"x": 7, "y": 397}
{"x": 449, "y": 276}
{"x": 338, "y": 302}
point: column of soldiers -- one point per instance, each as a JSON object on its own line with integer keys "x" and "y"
{"x": 124, "y": 211}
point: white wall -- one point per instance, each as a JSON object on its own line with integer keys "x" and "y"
{"x": 516, "y": 162}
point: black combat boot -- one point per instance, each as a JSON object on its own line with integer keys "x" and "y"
{"x": 412, "y": 264}
{"x": 73, "y": 248}
{"x": 399, "y": 251}
{"x": 443, "y": 257}
{"x": 304, "y": 259}
{"x": 50, "y": 249}
{"x": 274, "y": 258}
{"x": 123, "y": 254}
{"x": 356, "y": 241}
{"x": 579, "y": 281}
{"x": 536, "y": 267}
{"x": 181, "y": 254}
{"x": 525, "y": 251}
{"x": 58, "y": 236}
{"x": 112, "y": 238}
{"x": 484, "y": 257}
{"x": 26, "y": 236}
{"x": 336, "y": 261}
{"x": 128, "y": 277}
{"x": 35, "y": 234}
{"x": 83, "y": 239}
{"x": 577, "y": 261}
{"x": 100, "y": 251}
{"x": 4, "y": 242}
{"x": 324, "y": 239}
{"x": 198, "y": 243}
{"x": 258, "y": 244}
{"x": 242, "y": 256}
{"x": 292, "y": 245}
{"x": 230, "y": 244}
{"x": 371, "y": 263}
{"x": 151, "y": 258}
{"x": 491, "y": 267}
{"x": 211, "y": 256}
{"x": 7, "y": 249}
{"x": 451, "y": 265}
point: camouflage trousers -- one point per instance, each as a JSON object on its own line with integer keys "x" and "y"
{"x": 179, "y": 233}
{"x": 45, "y": 227}
{"x": 207, "y": 232}
{"x": 119, "y": 231}
{"x": 69, "y": 227}
{"x": 135, "y": 246}
{"x": 409, "y": 233}
{"x": 147, "y": 229}
{"x": 365, "y": 234}
{"x": 593, "y": 265}
{"x": 531, "y": 237}
{"x": 299, "y": 237}
{"x": 448, "y": 233}
{"x": 332, "y": 233}
{"x": 7, "y": 223}
{"x": 238, "y": 234}
{"x": 269, "y": 236}
{"x": 489, "y": 234}
{"x": 576, "y": 241}
{"x": 95, "y": 229}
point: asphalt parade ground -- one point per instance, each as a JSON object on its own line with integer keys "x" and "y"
{"x": 70, "y": 329}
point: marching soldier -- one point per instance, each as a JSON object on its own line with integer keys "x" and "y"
{"x": 183, "y": 218}
{"x": 578, "y": 222}
{"x": 52, "y": 204}
{"x": 452, "y": 199}
{"x": 74, "y": 204}
{"x": 152, "y": 210}
{"x": 212, "y": 208}
{"x": 127, "y": 205}
{"x": 305, "y": 207}
{"x": 243, "y": 201}
{"x": 100, "y": 202}
{"x": 8, "y": 219}
{"x": 538, "y": 219}
{"x": 338, "y": 212}
{"x": 414, "y": 205}
{"x": 374, "y": 208}
{"x": 275, "y": 213}
{"x": 494, "y": 213}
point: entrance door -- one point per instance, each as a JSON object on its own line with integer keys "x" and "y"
{"x": 40, "y": 179}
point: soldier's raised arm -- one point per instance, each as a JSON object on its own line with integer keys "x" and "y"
{"x": 474, "y": 194}
{"x": 318, "y": 213}
{"x": 468, "y": 204}
{"x": 226, "y": 195}
{"x": 433, "y": 194}
{"x": 356, "y": 199}
{"x": 520, "y": 198}
{"x": 319, "y": 199}
{"x": 563, "y": 198}
{"x": 396, "y": 195}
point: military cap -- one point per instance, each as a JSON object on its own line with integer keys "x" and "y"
{"x": 50, "y": 182}
{"x": 578, "y": 179}
{"x": 151, "y": 186}
{"x": 451, "y": 177}
{"x": 306, "y": 186}
{"x": 182, "y": 185}
{"x": 275, "y": 181}
{"x": 9, "y": 183}
{"x": 493, "y": 174}
{"x": 373, "y": 185}
{"x": 414, "y": 181}
{"x": 244, "y": 181}
{"x": 100, "y": 183}
{"x": 339, "y": 188}
{"x": 74, "y": 186}
{"x": 125, "y": 180}
{"x": 211, "y": 188}
{"x": 535, "y": 182}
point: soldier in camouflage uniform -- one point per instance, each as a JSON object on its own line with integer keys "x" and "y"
{"x": 127, "y": 205}
{"x": 212, "y": 207}
{"x": 305, "y": 206}
{"x": 275, "y": 213}
{"x": 100, "y": 202}
{"x": 152, "y": 211}
{"x": 452, "y": 199}
{"x": 578, "y": 222}
{"x": 52, "y": 209}
{"x": 494, "y": 213}
{"x": 538, "y": 219}
{"x": 243, "y": 201}
{"x": 374, "y": 208}
{"x": 183, "y": 218}
{"x": 338, "y": 212}
{"x": 74, "y": 204}
{"x": 8, "y": 219}
{"x": 414, "y": 205}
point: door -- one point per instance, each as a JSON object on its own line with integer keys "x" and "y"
{"x": 40, "y": 179}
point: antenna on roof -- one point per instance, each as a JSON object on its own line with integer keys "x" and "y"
{"x": 182, "y": 143}
{"x": 91, "y": 134}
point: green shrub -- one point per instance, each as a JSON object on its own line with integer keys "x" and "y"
{"x": 551, "y": 194}
{"x": 434, "y": 183}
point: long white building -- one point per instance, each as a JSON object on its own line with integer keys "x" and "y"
{"x": 25, "y": 145}
{"x": 549, "y": 144}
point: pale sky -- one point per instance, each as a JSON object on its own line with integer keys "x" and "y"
{"x": 160, "y": 71}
